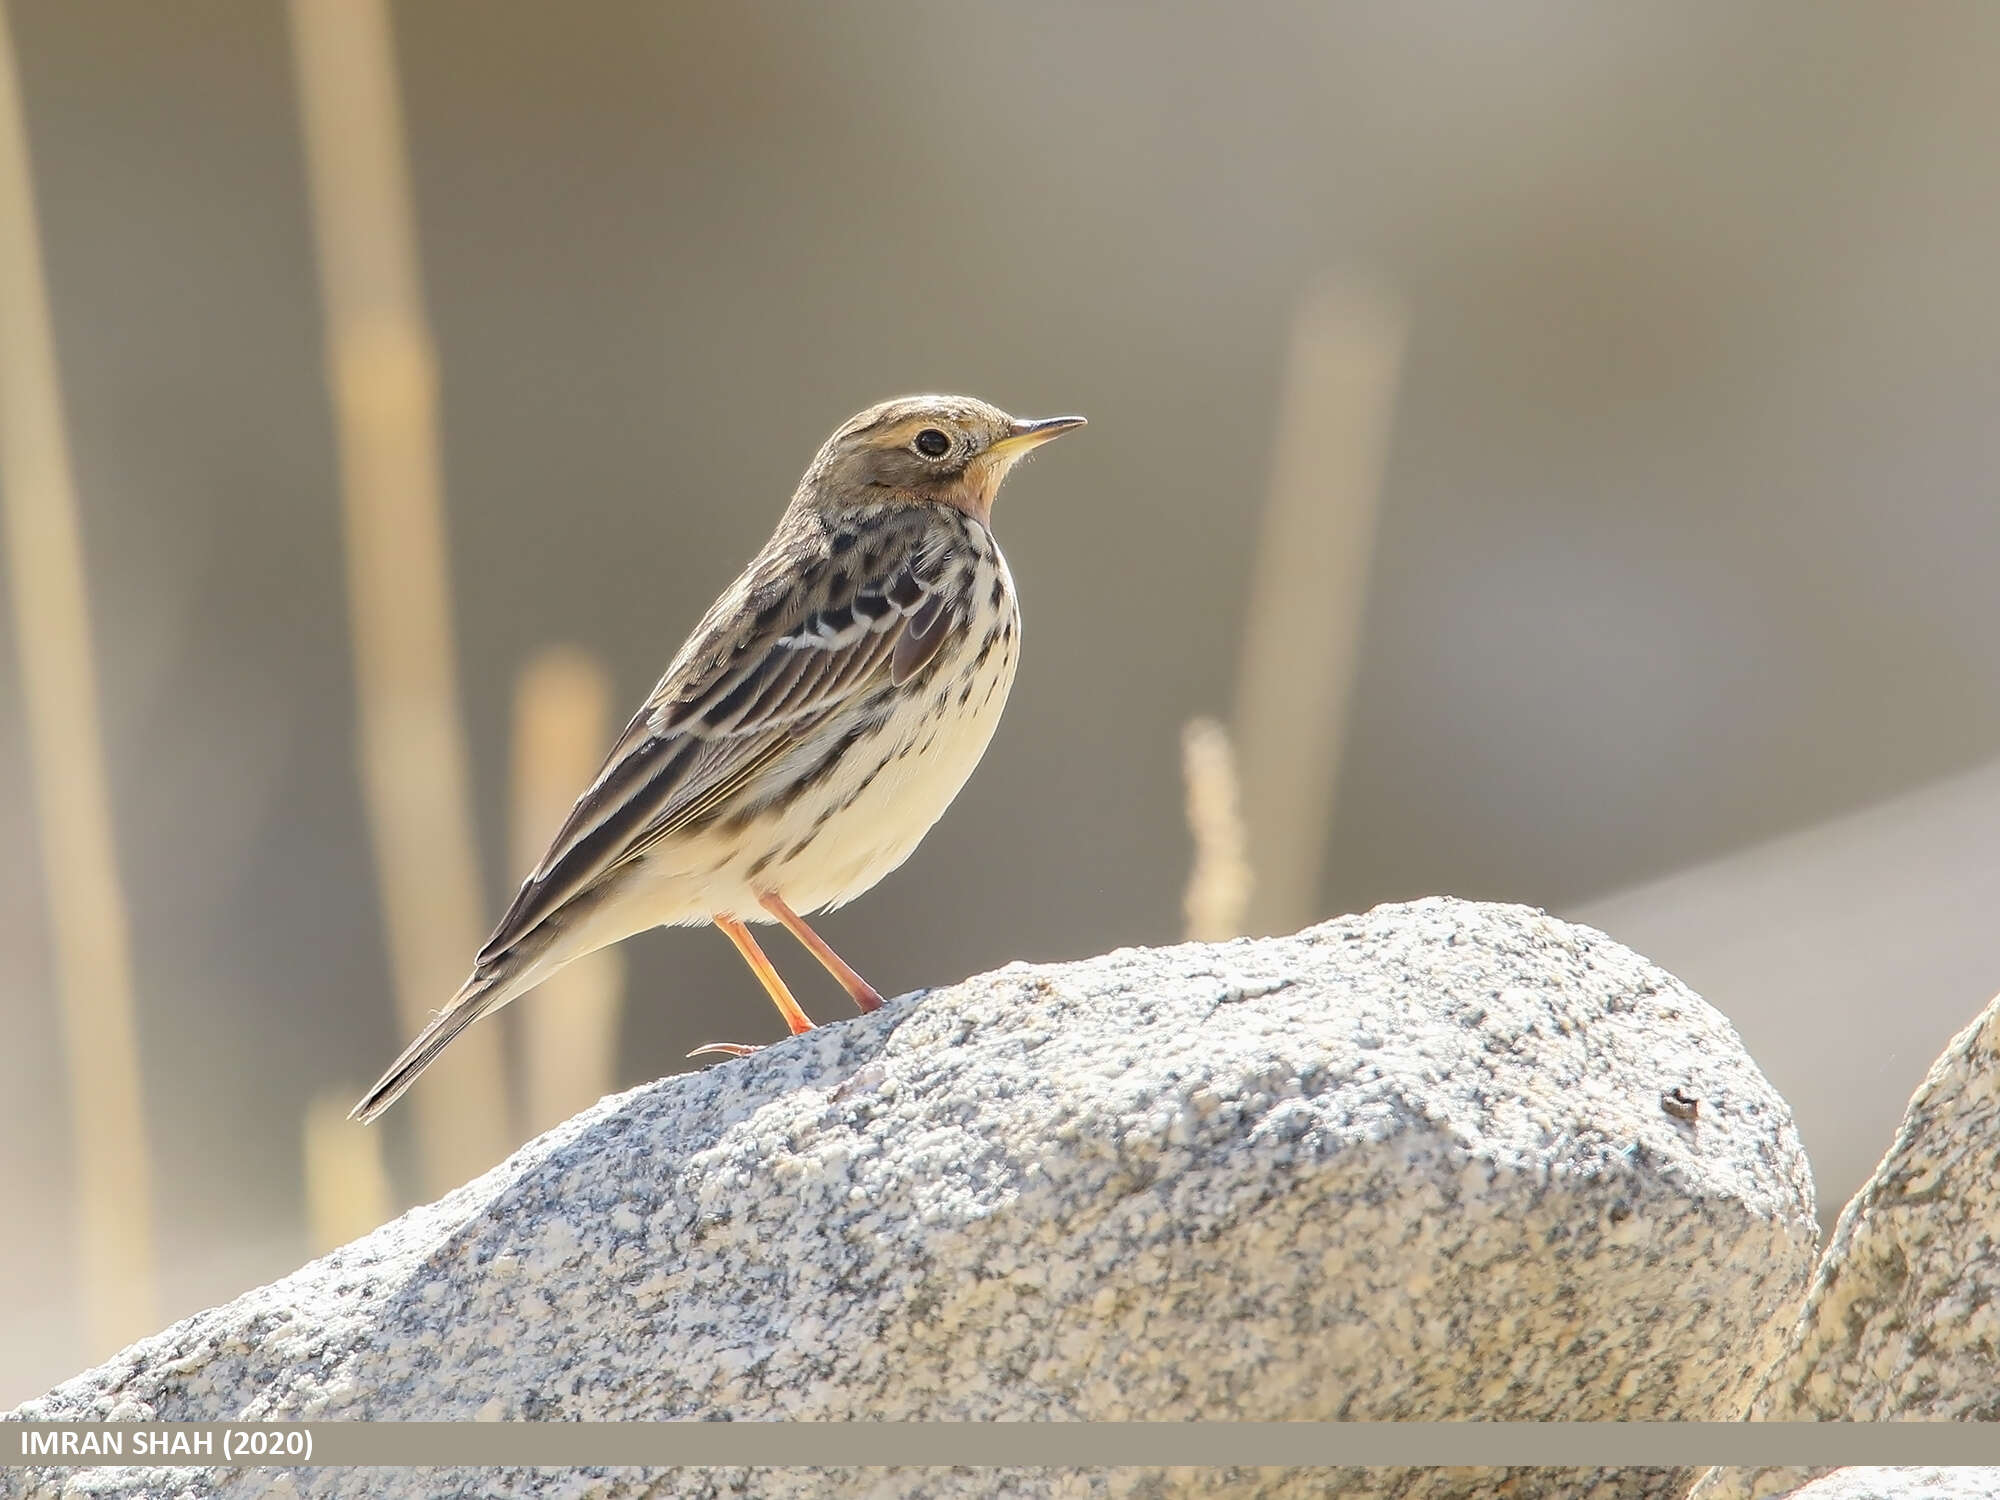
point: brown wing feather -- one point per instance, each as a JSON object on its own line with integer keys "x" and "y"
{"x": 780, "y": 655}
{"x": 920, "y": 638}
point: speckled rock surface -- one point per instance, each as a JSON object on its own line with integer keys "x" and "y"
{"x": 1903, "y": 1484}
{"x": 1414, "y": 1164}
{"x": 1753, "y": 1483}
{"x": 1904, "y": 1313}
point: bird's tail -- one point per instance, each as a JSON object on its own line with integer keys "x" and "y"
{"x": 478, "y": 997}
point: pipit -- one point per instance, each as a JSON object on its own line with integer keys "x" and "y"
{"x": 820, "y": 719}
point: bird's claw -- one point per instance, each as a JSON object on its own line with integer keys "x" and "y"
{"x": 727, "y": 1049}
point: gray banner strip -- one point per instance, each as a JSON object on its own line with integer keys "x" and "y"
{"x": 1001, "y": 1444}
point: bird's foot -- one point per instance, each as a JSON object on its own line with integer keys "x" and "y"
{"x": 727, "y": 1049}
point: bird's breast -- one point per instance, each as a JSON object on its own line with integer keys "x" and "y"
{"x": 879, "y": 777}
{"x": 892, "y": 787}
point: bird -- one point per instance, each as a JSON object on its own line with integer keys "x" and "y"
{"x": 809, "y": 732}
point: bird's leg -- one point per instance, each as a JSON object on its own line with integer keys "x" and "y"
{"x": 865, "y": 994}
{"x": 768, "y": 976}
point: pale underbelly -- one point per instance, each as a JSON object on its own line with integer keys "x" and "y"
{"x": 864, "y": 819}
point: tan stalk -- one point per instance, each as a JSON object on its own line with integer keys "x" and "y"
{"x": 569, "y": 1026}
{"x": 383, "y": 374}
{"x": 93, "y": 960}
{"x": 347, "y": 1186}
{"x": 1308, "y": 590}
{"x": 1219, "y": 883}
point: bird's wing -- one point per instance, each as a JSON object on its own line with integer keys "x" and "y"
{"x": 777, "y": 662}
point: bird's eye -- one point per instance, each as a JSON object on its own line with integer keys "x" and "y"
{"x": 932, "y": 443}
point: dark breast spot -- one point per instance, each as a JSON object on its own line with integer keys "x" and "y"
{"x": 854, "y": 792}
{"x": 838, "y": 752}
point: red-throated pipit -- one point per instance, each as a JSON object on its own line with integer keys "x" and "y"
{"x": 816, "y": 724}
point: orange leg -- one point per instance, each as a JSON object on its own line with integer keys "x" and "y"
{"x": 773, "y": 982}
{"x": 865, "y": 994}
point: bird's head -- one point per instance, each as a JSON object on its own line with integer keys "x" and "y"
{"x": 925, "y": 450}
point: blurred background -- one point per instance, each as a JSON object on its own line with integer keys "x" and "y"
{"x": 1557, "y": 441}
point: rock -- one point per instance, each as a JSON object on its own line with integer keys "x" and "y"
{"x": 1753, "y": 1483}
{"x": 1904, "y": 1312}
{"x": 1903, "y": 1484}
{"x": 1442, "y": 1160}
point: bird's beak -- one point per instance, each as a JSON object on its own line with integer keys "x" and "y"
{"x": 1023, "y": 437}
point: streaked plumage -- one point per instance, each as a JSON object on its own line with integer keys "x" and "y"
{"x": 814, "y": 726}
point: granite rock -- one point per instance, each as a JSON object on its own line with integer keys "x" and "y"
{"x": 1904, "y": 1313}
{"x": 1953, "y": 1483}
{"x": 1441, "y": 1160}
